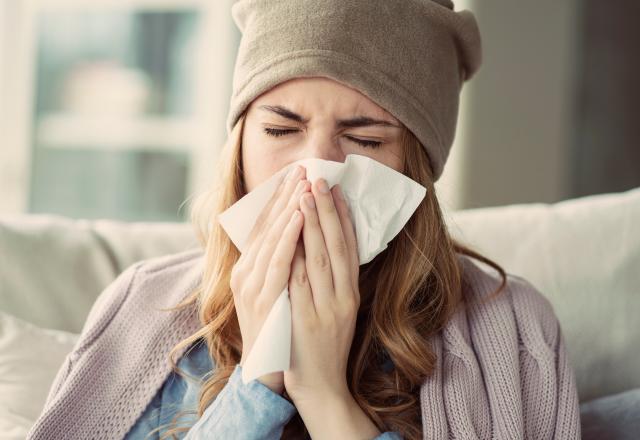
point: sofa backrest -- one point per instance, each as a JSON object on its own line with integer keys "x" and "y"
{"x": 52, "y": 268}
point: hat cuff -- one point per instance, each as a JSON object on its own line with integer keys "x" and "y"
{"x": 388, "y": 93}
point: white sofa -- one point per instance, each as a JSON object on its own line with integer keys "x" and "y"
{"x": 583, "y": 254}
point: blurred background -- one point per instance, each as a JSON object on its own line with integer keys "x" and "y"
{"x": 116, "y": 108}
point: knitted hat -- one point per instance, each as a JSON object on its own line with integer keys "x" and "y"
{"x": 410, "y": 57}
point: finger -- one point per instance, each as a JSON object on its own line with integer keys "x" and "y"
{"x": 316, "y": 256}
{"x": 281, "y": 191}
{"x": 269, "y": 241}
{"x": 349, "y": 232}
{"x": 279, "y": 268}
{"x": 289, "y": 187}
{"x": 300, "y": 292}
{"x": 260, "y": 221}
{"x": 336, "y": 244}
{"x": 245, "y": 262}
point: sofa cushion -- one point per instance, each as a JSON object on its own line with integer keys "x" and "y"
{"x": 612, "y": 417}
{"x": 29, "y": 360}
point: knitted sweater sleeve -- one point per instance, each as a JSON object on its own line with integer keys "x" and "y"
{"x": 248, "y": 411}
{"x": 100, "y": 314}
{"x": 549, "y": 396}
{"x": 502, "y": 370}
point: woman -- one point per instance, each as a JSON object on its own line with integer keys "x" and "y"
{"x": 421, "y": 342}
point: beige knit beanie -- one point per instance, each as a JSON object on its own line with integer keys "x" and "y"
{"x": 410, "y": 57}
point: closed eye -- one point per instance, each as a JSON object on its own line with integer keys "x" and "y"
{"x": 275, "y": 132}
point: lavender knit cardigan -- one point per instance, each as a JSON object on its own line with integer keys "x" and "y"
{"x": 502, "y": 368}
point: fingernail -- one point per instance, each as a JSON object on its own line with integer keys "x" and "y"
{"x": 324, "y": 188}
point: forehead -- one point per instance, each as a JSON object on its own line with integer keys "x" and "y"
{"x": 312, "y": 94}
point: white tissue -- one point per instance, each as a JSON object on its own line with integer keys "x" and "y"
{"x": 381, "y": 201}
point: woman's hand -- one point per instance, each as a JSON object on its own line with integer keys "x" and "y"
{"x": 325, "y": 298}
{"x": 262, "y": 271}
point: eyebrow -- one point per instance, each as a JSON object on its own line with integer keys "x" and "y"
{"x": 359, "y": 121}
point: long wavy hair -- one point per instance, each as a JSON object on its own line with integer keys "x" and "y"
{"x": 408, "y": 293}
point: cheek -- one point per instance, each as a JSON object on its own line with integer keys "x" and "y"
{"x": 392, "y": 157}
{"x": 259, "y": 164}
{"x": 395, "y": 162}
{"x": 387, "y": 155}
{"x": 263, "y": 157}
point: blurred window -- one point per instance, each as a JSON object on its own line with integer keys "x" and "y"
{"x": 113, "y": 118}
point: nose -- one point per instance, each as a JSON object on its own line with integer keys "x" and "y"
{"x": 325, "y": 148}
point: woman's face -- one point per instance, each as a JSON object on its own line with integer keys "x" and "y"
{"x": 315, "y": 118}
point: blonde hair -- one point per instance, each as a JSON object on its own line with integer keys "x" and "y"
{"x": 408, "y": 292}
